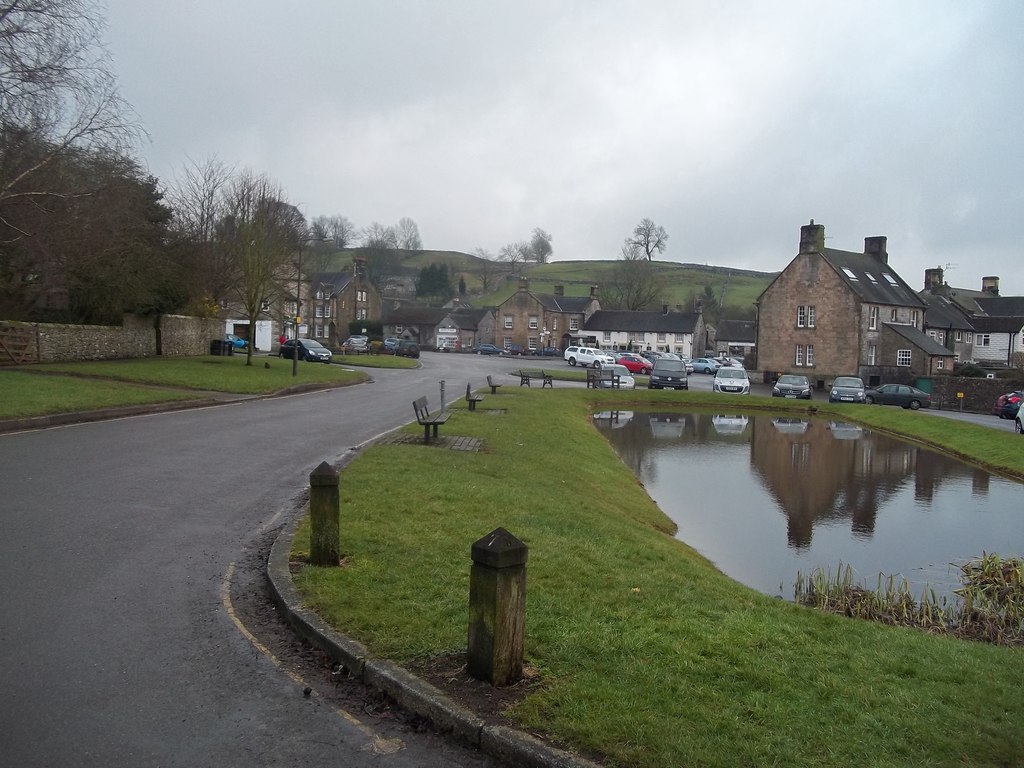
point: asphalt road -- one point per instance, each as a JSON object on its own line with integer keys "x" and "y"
{"x": 134, "y": 631}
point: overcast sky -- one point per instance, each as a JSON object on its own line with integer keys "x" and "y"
{"x": 730, "y": 124}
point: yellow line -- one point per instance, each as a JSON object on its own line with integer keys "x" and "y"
{"x": 380, "y": 745}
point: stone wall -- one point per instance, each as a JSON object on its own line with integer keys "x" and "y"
{"x": 136, "y": 337}
{"x": 979, "y": 394}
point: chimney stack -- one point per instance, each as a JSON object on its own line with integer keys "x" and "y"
{"x": 812, "y": 238}
{"x": 594, "y": 291}
{"x": 559, "y": 290}
{"x": 990, "y": 284}
{"x": 875, "y": 246}
{"x": 932, "y": 278}
{"x": 524, "y": 283}
{"x": 664, "y": 309}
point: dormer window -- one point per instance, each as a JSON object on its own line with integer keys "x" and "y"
{"x": 889, "y": 279}
{"x": 849, "y": 273}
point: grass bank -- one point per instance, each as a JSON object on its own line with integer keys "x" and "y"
{"x": 645, "y": 652}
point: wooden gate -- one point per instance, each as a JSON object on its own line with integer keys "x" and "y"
{"x": 17, "y": 344}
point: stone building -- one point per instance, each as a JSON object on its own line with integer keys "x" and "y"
{"x": 535, "y": 320}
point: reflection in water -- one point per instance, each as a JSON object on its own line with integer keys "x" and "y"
{"x": 766, "y": 497}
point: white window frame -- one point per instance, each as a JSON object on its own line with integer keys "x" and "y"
{"x": 533, "y": 323}
{"x": 607, "y": 337}
{"x": 872, "y": 318}
{"x": 810, "y": 317}
{"x": 872, "y": 354}
{"x": 327, "y": 310}
{"x": 508, "y": 322}
{"x": 959, "y": 336}
{"x": 984, "y": 340}
{"x": 809, "y": 355}
{"x": 969, "y": 337}
{"x": 894, "y": 314}
{"x": 574, "y": 323}
{"x": 940, "y": 363}
{"x": 799, "y": 356}
{"x": 318, "y": 311}
{"x": 904, "y": 357}
{"x": 801, "y": 316}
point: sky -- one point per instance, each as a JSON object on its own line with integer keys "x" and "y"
{"x": 730, "y": 124}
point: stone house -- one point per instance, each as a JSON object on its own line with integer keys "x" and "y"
{"x": 833, "y": 312}
{"x": 734, "y": 338}
{"x": 414, "y": 322}
{"x": 664, "y": 331}
{"x": 463, "y": 328}
{"x": 947, "y": 323}
{"x": 535, "y": 320}
{"x": 336, "y": 300}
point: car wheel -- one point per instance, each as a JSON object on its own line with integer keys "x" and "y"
{"x": 869, "y": 400}
{"x": 572, "y": 361}
{"x": 1019, "y": 426}
{"x": 915, "y": 404}
{"x": 596, "y": 365}
{"x": 645, "y": 371}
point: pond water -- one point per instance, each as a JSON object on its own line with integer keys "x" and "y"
{"x": 766, "y": 498}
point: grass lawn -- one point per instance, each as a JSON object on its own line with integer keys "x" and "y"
{"x": 645, "y": 652}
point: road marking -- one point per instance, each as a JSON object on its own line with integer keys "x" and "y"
{"x": 378, "y": 744}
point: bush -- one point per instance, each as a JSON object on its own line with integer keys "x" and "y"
{"x": 970, "y": 370}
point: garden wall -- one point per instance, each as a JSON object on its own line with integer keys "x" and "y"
{"x": 979, "y": 394}
{"x": 136, "y": 337}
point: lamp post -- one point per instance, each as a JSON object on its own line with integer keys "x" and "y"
{"x": 298, "y": 301}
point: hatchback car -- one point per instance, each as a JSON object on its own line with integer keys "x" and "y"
{"x": 357, "y": 344}
{"x": 730, "y": 380}
{"x": 622, "y": 377}
{"x": 236, "y": 341}
{"x": 1008, "y": 405}
{"x": 514, "y": 349}
{"x": 704, "y": 365}
{"x": 668, "y": 374}
{"x": 390, "y": 343}
{"x": 793, "y": 387}
{"x": 407, "y": 348}
{"x": 902, "y": 395}
{"x": 846, "y": 389}
{"x": 634, "y": 363}
{"x": 308, "y": 349}
{"x": 487, "y": 349}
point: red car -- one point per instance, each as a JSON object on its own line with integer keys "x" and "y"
{"x": 1007, "y": 405}
{"x": 634, "y": 363}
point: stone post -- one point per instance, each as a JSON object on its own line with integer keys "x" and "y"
{"x": 324, "y": 514}
{"x": 497, "y": 608}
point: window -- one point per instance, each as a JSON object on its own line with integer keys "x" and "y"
{"x": 959, "y": 335}
{"x": 320, "y": 295}
{"x": 873, "y": 318}
{"x": 531, "y": 343}
{"x": 799, "y": 354}
{"x": 872, "y": 354}
{"x": 508, "y": 321}
{"x": 289, "y": 308}
{"x": 890, "y": 279}
{"x": 607, "y": 337}
{"x": 871, "y": 278}
{"x": 810, "y": 354}
{"x": 849, "y": 273}
{"x": 361, "y": 314}
{"x": 533, "y": 322}
{"x": 931, "y": 335}
{"x": 914, "y": 317}
{"x": 327, "y": 310}
{"x": 574, "y": 323}
{"x": 506, "y": 342}
{"x": 319, "y": 311}
{"x": 360, "y": 295}
{"x": 983, "y": 340}
{"x": 894, "y": 314}
{"x": 810, "y": 318}
{"x": 903, "y": 358}
{"x": 318, "y": 331}
{"x": 940, "y": 363}
{"x": 801, "y": 316}
{"x": 554, "y": 324}
{"x": 661, "y": 338}
{"x": 969, "y": 338}
{"x": 399, "y": 329}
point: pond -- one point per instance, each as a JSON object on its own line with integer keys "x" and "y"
{"x": 767, "y": 497}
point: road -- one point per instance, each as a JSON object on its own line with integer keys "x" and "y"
{"x": 135, "y": 630}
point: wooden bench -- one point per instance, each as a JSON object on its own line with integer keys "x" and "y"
{"x": 596, "y": 377}
{"x": 526, "y": 376}
{"x": 472, "y": 399}
{"x": 491, "y": 383}
{"x": 425, "y": 419}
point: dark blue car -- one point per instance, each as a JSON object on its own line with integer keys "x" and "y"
{"x": 487, "y": 349}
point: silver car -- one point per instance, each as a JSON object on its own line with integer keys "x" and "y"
{"x": 846, "y": 389}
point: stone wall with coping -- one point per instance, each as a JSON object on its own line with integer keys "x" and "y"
{"x": 979, "y": 394}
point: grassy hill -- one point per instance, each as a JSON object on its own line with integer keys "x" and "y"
{"x": 736, "y": 289}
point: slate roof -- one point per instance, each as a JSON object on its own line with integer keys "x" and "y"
{"x": 468, "y": 319}
{"x": 736, "y": 330}
{"x": 415, "y": 315}
{"x": 997, "y": 324}
{"x": 920, "y": 339}
{"x": 642, "y": 322}
{"x": 1002, "y": 306}
{"x": 337, "y": 280}
{"x": 872, "y": 280}
{"x": 944, "y": 313}
{"x": 566, "y": 304}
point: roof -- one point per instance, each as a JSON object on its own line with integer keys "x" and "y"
{"x": 467, "y": 319}
{"x": 944, "y": 313}
{"x": 1002, "y": 306}
{"x": 737, "y": 330}
{"x": 997, "y": 324}
{"x": 920, "y": 339}
{"x": 872, "y": 280}
{"x": 565, "y": 304}
{"x": 646, "y": 322}
{"x": 337, "y": 280}
{"x": 415, "y": 315}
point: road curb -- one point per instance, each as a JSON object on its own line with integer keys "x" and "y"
{"x": 412, "y": 693}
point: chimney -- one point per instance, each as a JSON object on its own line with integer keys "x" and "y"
{"x": 875, "y": 246}
{"x": 664, "y": 309}
{"x": 932, "y": 278}
{"x": 524, "y": 283}
{"x": 812, "y": 238}
{"x": 559, "y": 290}
{"x": 990, "y": 284}
{"x": 594, "y": 291}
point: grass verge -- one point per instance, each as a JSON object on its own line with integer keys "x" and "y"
{"x": 647, "y": 654}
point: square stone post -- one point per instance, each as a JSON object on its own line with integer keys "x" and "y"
{"x": 324, "y": 514}
{"x": 497, "y": 608}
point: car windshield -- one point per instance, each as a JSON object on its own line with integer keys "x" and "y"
{"x": 731, "y": 373}
{"x": 848, "y": 381}
{"x": 664, "y": 364}
{"x": 310, "y": 344}
{"x": 799, "y": 380}
{"x": 618, "y": 370}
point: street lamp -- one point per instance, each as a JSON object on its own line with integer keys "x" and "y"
{"x": 298, "y": 302}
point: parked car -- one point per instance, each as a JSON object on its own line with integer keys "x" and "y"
{"x": 487, "y": 349}
{"x": 668, "y": 374}
{"x": 390, "y": 344}
{"x": 731, "y": 380}
{"x": 309, "y": 349}
{"x": 689, "y": 364}
{"x": 650, "y": 354}
{"x": 407, "y": 348}
{"x": 705, "y": 365}
{"x": 634, "y": 363}
{"x": 588, "y": 356}
{"x": 846, "y": 389}
{"x": 236, "y": 341}
{"x": 793, "y": 387}
{"x": 548, "y": 352}
{"x": 514, "y": 349}
{"x": 356, "y": 344}
{"x": 1017, "y": 421}
{"x": 902, "y": 395}
{"x": 1007, "y": 406}
{"x": 626, "y": 380}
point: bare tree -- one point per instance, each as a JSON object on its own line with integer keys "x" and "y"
{"x": 486, "y": 269}
{"x": 336, "y": 228}
{"x": 382, "y": 258}
{"x": 634, "y": 283}
{"x": 649, "y": 238}
{"x": 514, "y": 253}
{"x": 57, "y": 96}
{"x": 408, "y": 235}
{"x": 540, "y": 245}
{"x": 261, "y": 235}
